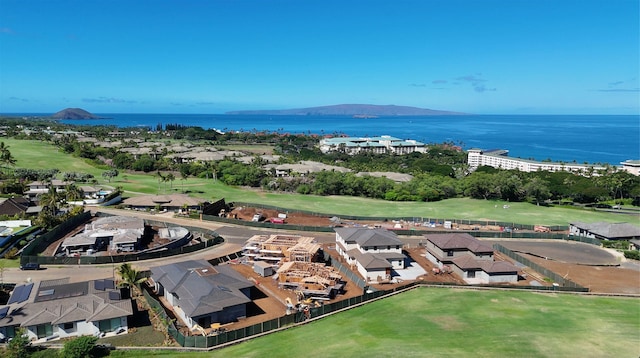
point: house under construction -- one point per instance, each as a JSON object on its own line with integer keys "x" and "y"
{"x": 310, "y": 279}
{"x": 285, "y": 248}
{"x": 295, "y": 260}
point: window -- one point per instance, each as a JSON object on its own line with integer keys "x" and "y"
{"x": 388, "y": 247}
{"x": 109, "y": 325}
{"x": 450, "y": 253}
{"x": 471, "y": 274}
{"x": 44, "y": 330}
{"x": 68, "y": 326}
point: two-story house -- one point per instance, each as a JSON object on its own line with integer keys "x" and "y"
{"x": 374, "y": 252}
{"x": 469, "y": 258}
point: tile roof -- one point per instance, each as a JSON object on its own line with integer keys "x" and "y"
{"x": 610, "y": 230}
{"x": 370, "y": 261}
{"x": 201, "y": 288}
{"x": 458, "y": 241}
{"x": 368, "y": 237}
{"x": 57, "y": 301}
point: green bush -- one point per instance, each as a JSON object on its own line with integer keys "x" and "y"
{"x": 616, "y": 244}
{"x": 80, "y": 347}
{"x": 632, "y": 254}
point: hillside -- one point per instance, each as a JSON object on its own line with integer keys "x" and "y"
{"x": 74, "y": 113}
{"x": 353, "y": 110}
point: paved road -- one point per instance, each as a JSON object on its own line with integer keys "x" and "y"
{"x": 235, "y": 237}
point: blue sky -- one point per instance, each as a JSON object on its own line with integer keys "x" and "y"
{"x": 483, "y": 57}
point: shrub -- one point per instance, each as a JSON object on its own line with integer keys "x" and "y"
{"x": 632, "y": 254}
{"x": 79, "y": 347}
{"x": 616, "y": 244}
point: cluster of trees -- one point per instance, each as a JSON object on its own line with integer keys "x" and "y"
{"x": 440, "y": 173}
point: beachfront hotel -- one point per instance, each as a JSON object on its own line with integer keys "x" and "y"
{"x": 498, "y": 158}
{"x": 378, "y": 145}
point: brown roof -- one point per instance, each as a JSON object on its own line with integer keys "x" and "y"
{"x": 458, "y": 241}
{"x": 13, "y": 206}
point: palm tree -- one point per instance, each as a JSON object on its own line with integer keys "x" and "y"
{"x": 51, "y": 200}
{"x": 5, "y": 155}
{"x": 73, "y": 193}
{"x": 170, "y": 178}
{"x": 129, "y": 277}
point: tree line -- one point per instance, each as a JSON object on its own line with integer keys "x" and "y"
{"x": 440, "y": 173}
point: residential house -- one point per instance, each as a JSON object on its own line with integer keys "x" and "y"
{"x": 605, "y": 231}
{"x": 469, "y": 258}
{"x": 201, "y": 294}
{"x": 42, "y": 187}
{"x": 170, "y": 202}
{"x": 117, "y": 233}
{"x": 374, "y": 252}
{"x": 18, "y": 206}
{"x": 56, "y": 309}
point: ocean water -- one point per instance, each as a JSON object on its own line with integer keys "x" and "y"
{"x": 566, "y": 138}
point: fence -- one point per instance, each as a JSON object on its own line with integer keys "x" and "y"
{"x": 405, "y": 218}
{"x": 563, "y": 282}
{"x": 40, "y": 243}
{"x": 328, "y": 308}
{"x": 30, "y": 253}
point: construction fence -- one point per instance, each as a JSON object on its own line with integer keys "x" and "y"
{"x": 414, "y": 219}
{"x": 563, "y": 282}
{"x": 347, "y": 272}
{"x": 262, "y": 327}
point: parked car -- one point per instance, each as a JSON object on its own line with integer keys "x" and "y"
{"x": 30, "y": 266}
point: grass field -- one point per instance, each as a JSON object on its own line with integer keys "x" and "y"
{"x": 34, "y": 154}
{"x": 438, "y": 322}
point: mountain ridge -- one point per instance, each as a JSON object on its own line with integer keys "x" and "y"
{"x": 353, "y": 110}
{"x": 74, "y": 113}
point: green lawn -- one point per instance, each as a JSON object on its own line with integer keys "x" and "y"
{"x": 437, "y": 322}
{"x": 34, "y": 154}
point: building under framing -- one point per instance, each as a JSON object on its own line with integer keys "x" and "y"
{"x": 276, "y": 248}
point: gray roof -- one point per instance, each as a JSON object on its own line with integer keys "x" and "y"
{"x": 610, "y": 230}
{"x": 201, "y": 288}
{"x": 170, "y": 200}
{"x": 458, "y": 241}
{"x": 56, "y": 302}
{"x": 368, "y": 237}
{"x": 467, "y": 262}
{"x": 370, "y": 261}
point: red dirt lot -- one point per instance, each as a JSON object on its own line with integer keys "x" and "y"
{"x": 599, "y": 279}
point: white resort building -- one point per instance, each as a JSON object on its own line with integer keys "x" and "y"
{"x": 377, "y": 145}
{"x": 498, "y": 158}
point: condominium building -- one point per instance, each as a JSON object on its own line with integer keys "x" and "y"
{"x": 378, "y": 145}
{"x": 498, "y": 158}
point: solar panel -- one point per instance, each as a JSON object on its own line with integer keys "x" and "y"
{"x": 3, "y": 312}
{"x": 109, "y": 284}
{"x": 20, "y": 293}
{"x": 114, "y": 295}
{"x": 99, "y": 285}
{"x": 15, "y": 294}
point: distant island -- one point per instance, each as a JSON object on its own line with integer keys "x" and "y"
{"x": 355, "y": 110}
{"x": 74, "y": 113}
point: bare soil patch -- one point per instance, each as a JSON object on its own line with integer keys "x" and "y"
{"x": 600, "y": 279}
